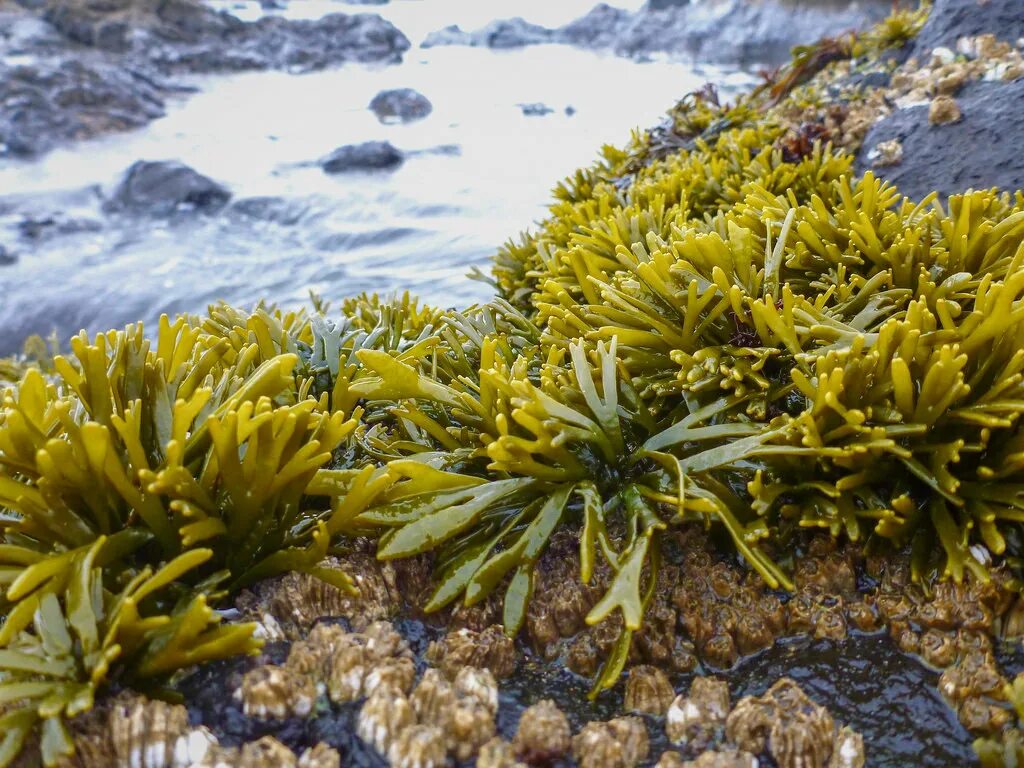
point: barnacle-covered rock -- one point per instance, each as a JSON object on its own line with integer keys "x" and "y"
{"x": 498, "y": 753}
{"x": 266, "y": 752}
{"x": 478, "y": 685}
{"x": 396, "y": 672}
{"x": 797, "y": 732}
{"x": 419, "y": 746}
{"x": 136, "y": 731}
{"x": 718, "y": 758}
{"x": 490, "y": 649}
{"x": 695, "y": 719}
{"x": 462, "y": 710}
{"x": 543, "y": 734}
{"x": 618, "y": 743}
{"x": 648, "y": 690}
{"x": 385, "y": 715}
{"x": 298, "y": 600}
{"x": 276, "y": 692}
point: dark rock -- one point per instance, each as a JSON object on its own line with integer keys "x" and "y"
{"x": 277, "y": 210}
{"x": 273, "y": 42}
{"x": 950, "y": 20}
{"x": 6, "y": 257}
{"x": 503, "y": 33}
{"x": 535, "y": 110}
{"x": 980, "y": 151}
{"x": 400, "y": 105}
{"x": 741, "y": 32}
{"x": 51, "y": 102}
{"x": 165, "y": 187}
{"x": 716, "y": 31}
{"x": 599, "y": 28}
{"x": 368, "y": 156}
{"x": 39, "y": 228}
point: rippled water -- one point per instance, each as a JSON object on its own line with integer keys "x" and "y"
{"x": 484, "y": 173}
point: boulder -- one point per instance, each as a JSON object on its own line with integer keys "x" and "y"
{"x": 503, "y": 33}
{"x": 949, "y": 20}
{"x": 979, "y": 151}
{"x": 368, "y": 156}
{"x": 50, "y": 102}
{"x": 163, "y": 188}
{"x": 400, "y": 105}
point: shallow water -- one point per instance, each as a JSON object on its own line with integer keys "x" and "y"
{"x": 482, "y": 172}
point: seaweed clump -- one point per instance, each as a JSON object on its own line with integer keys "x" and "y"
{"x": 730, "y": 331}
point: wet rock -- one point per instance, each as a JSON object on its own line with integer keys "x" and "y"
{"x": 368, "y": 156}
{"x": 276, "y": 210}
{"x": 598, "y": 28}
{"x": 949, "y": 20}
{"x": 976, "y": 152}
{"x": 400, "y": 105}
{"x": 163, "y": 188}
{"x": 535, "y": 109}
{"x": 543, "y": 734}
{"x": 723, "y": 31}
{"x": 51, "y": 102}
{"x": 619, "y": 743}
{"x": 503, "y": 33}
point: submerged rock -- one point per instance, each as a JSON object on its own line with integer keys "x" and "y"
{"x": 400, "y": 105}
{"x": 163, "y": 188}
{"x": 368, "y": 156}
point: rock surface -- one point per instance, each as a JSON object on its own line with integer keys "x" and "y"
{"x": 166, "y": 188}
{"x": 717, "y": 31}
{"x": 368, "y": 156}
{"x": 88, "y": 68}
{"x": 401, "y": 105}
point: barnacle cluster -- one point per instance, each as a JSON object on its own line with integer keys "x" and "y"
{"x": 720, "y": 327}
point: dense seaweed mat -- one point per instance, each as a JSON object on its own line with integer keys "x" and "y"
{"x": 717, "y": 326}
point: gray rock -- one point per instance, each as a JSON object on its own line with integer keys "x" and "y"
{"x": 400, "y": 105}
{"x": 982, "y": 150}
{"x": 953, "y": 19}
{"x": 717, "y": 31}
{"x": 535, "y": 110}
{"x": 503, "y": 33}
{"x": 277, "y": 210}
{"x": 51, "y": 102}
{"x": 368, "y": 156}
{"x": 163, "y": 188}
{"x": 599, "y": 28}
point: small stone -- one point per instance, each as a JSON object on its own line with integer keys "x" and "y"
{"x": 943, "y": 110}
{"x": 400, "y": 105}
{"x": 368, "y": 156}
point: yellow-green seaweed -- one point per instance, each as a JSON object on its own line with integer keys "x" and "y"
{"x": 705, "y": 331}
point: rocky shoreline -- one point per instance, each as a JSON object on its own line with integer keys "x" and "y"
{"x": 82, "y": 69}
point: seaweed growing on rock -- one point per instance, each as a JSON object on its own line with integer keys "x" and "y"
{"x": 721, "y": 326}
